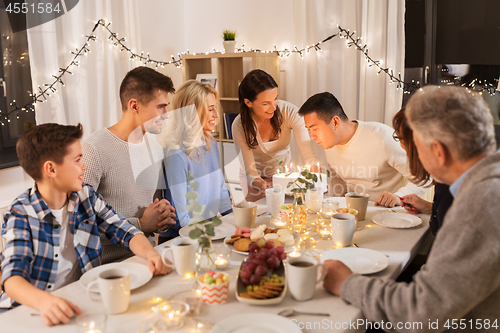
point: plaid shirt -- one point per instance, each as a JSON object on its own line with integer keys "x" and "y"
{"x": 31, "y": 235}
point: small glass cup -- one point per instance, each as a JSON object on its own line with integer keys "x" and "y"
{"x": 91, "y": 323}
{"x": 222, "y": 257}
{"x": 325, "y": 233}
{"x": 171, "y": 314}
{"x": 328, "y": 208}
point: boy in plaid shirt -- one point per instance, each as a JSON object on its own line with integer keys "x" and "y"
{"x": 51, "y": 231}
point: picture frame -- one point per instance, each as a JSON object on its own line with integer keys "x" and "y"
{"x": 210, "y": 79}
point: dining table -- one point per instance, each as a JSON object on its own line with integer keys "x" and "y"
{"x": 399, "y": 245}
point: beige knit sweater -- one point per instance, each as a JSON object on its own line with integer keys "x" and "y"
{"x": 461, "y": 279}
{"x": 126, "y": 175}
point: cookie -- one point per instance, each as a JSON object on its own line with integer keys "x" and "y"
{"x": 242, "y": 244}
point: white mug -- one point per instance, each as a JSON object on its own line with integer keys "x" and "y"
{"x": 343, "y": 227}
{"x": 244, "y": 214}
{"x": 302, "y": 277}
{"x": 114, "y": 287}
{"x": 275, "y": 197}
{"x": 183, "y": 256}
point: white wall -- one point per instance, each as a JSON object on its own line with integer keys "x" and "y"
{"x": 13, "y": 181}
{"x": 174, "y": 26}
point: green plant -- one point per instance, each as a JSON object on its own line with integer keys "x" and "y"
{"x": 196, "y": 209}
{"x": 305, "y": 181}
{"x": 229, "y": 34}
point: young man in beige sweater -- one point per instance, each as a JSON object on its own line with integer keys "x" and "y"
{"x": 459, "y": 286}
{"x": 363, "y": 156}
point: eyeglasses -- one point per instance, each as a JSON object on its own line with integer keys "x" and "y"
{"x": 395, "y": 136}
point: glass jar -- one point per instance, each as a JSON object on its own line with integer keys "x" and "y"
{"x": 299, "y": 217}
{"x": 205, "y": 256}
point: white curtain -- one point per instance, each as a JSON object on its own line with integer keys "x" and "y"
{"x": 343, "y": 71}
{"x": 91, "y": 95}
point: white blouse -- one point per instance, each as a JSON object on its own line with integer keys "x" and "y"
{"x": 264, "y": 159}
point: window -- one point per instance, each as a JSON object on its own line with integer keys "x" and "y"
{"x": 15, "y": 85}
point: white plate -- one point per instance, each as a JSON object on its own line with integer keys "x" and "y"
{"x": 139, "y": 274}
{"x": 240, "y": 288}
{"x": 397, "y": 220}
{"x": 360, "y": 261}
{"x": 221, "y": 231}
{"x": 231, "y": 246}
{"x": 255, "y": 322}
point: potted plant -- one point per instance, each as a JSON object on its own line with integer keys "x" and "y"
{"x": 229, "y": 37}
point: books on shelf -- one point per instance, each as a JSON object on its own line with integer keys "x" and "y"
{"x": 228, "y": 123}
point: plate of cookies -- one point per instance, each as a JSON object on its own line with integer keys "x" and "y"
{"x": 242, "y": 237}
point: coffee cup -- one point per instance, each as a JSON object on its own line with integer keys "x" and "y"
{"x": 358, "y": 201}
{"x": 114, "y": 289}
{"x": 343, "y": 227}
{"x": 244, "y": 214}
{"x": 183, "y": 256}
{"x": 275, "y": 197}
{"x": 302, "y": 276}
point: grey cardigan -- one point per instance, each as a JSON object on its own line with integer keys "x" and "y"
{"x": 461, "y": 279}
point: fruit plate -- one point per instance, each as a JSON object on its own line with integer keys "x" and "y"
{"x": 240, "y": 288}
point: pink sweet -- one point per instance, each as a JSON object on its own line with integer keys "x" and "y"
{"x": 217, "y": 275}
{"x": 238, "y": 231}
{"x": 247, "y": 234}
{"x": 211, "y": 273}
{"x": 245, "y": 229}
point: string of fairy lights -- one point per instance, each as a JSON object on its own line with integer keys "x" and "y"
{"x": 43, "y": 92}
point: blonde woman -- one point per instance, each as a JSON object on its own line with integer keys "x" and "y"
{"x": 191, "y": 150}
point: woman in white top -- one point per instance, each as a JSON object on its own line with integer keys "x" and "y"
{"x": 263, "y": 132}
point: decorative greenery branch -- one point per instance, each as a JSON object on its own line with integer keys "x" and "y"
{"x": 196, "y": 210}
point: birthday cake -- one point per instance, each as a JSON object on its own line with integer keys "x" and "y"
{"x": 282, "y": 180}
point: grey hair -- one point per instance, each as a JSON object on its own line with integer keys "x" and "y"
{"x": 453, "y": 116}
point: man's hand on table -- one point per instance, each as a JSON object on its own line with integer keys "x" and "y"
{"x": 336, "y": 274}
{"x": 156, "y": 265}
{"x": 388, "y": 199}
{"x": 55, "y": 310}
{"x": 158, "y": 216}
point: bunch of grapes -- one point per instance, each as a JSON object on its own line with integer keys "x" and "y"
{"x": 263, "y": 258}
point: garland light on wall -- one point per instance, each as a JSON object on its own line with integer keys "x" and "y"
{"x": 49, "y": 89}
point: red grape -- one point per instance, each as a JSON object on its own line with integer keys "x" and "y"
{"x": 273, "y": 253}
{"x": 245, "y": 282}
{"x": 261, "y": 270}
{"x": 282, "y": 256}
{"x": 252, "y": 247}
{"x": 251, "y": 266}
{"x": 280, "y": 249}
{"x": 272, "y": 262}
{"x": 252, "y": 255}
{"x": 245, "y": 274}
{"x": 255, "y": 279}
{"x": 270, "y": 244}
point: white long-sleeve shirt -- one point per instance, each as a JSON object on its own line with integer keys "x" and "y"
{"x": 371, "y": 162}
{"x": 263, "y": 161}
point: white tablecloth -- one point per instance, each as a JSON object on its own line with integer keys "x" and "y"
{"x": 399, "y": 244}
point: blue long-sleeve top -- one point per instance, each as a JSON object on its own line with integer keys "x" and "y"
{"x": 212, "y": 189}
